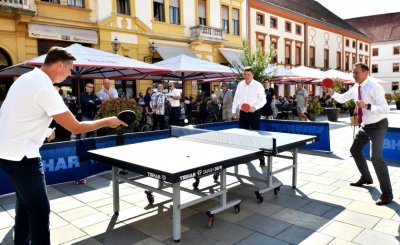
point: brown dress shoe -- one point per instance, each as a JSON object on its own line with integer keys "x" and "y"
{"x": 362, "y": 181}
{"x": 384, "y": 199}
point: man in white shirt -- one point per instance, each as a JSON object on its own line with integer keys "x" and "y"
{"x": 107, "y": 93}
{"x": 251, "y": 92}
{"x": 174, "y": 97}
{"x": 30, "y": 106}
{"x": 372, "y": 112}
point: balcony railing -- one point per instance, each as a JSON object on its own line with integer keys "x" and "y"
{"x": 16, "y": 3}
{"x": 207, "y": 33}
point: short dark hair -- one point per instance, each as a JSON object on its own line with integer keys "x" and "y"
{"x": 363, "y": 66}
{"x": 249, "y": 68}
{"x": 56, "y": 54}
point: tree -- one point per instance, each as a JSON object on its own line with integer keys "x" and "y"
{"x": 257, "y": 59}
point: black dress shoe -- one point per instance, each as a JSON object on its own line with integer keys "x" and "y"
{"x": 362, "y": 181}
{"x": 384, "y": 199}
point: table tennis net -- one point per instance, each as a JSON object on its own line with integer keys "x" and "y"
{"x": 223, "y": 138}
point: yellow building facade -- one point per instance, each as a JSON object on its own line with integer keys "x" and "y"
{"x": 198, "y": 28}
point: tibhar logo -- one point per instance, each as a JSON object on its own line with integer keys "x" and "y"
{"x": 61, "y": 163}
{"x": 199, "y": 172}
{"x": 163, "y": 177}
{"x": 153, "y": 175}
{"x": 391, "y": 144}
{"x": 187, "y": 176}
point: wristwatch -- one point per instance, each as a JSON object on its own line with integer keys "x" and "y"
{"x": 369, "y": 107}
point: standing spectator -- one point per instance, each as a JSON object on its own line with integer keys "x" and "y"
{"x": 226, "y": 99}
{"x": 107, "y": 93}
{"x": 266, "y": 111}
{"x": 301, "y": 101}
{"x": 147, "y": 100}
{"x": 174, "y": 97}
{"x": 251, "y": 92}
{"x": 89, "y": 103}
{"x": 23, "y": 128}
{"x": 158, "y": 107}
{"x": 372, "y": 113}
{"x": 140, "y": 99}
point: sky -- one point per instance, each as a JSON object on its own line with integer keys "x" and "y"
{"x": 356, "y": 8}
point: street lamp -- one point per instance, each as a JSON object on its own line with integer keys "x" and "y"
{"x": 115, "y": 44}
{"x": 153, "y": 51}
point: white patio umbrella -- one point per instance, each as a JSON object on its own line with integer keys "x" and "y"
{"x": 284, "y": 75}
{"x": 90, "y": 63}
{"x": 184, "y": 67}
{"x": 308, "y": 72}
{"x": 346, "y": 77}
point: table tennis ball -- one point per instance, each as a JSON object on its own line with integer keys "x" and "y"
{"x": 185, "y": 121}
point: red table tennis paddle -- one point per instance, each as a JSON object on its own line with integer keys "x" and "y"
{"x": 327, "y": 83}
{"x": 127, "y": 116}
{"x": 245, "y": 107}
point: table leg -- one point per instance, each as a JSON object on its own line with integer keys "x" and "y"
{"x": 115, "y": 185}
{"x": 294, "y": 175}
{"x": 176, "y": 212}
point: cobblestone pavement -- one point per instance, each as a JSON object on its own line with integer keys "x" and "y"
{"x": 324, "y": 209}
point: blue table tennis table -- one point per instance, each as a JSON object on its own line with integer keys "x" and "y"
{"x": 195, "y": 153}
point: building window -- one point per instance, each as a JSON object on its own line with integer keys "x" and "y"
{"x": 395, "y": 86}
{"x": 274, "y": 22}
{"x": 360, "y": 58}
{"x": 366, "y": 47}
{"x": 288, "y": 52}
{"x": 174, "y": 17}
{"x": 361, "y": 46}
{"x": 260, "y": 19}
{"x": 288, "y": 26}
{"x": 312, "y": 57}
{"x": 158, "y": 10}
{"x": 274, "y": 45}
{"x": 396, "y": 50}
{"x": 52, "y": 1}
{"x": 298, "y": 29}
{"x": 298, "y": 54}
{"x": 366, "y": 60}
{"x": 326, "y": 58}
{"x": 353, "y": 59}
{"x": 261, "y": 43}
{"x": 202, "y": 12}
{"x": 347, "y": 62}
{"x": 123, "y": 7}
{"x": 235, "y": 21}
{"x": 338, "y": 60}
{"x": 76, "y": 3}
{"x": 396, "y": 67}
{"x": 375, "y": 52}
{"x": 347, "y": 42}
{"x": 225, "y": 19}
{"x": 375, "y": 68}
{"x": 354, "y": 44}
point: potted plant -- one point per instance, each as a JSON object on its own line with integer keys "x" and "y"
{"x": 333, "y": 113}
{"x": 396, "y": 98}
{"x": 388, "y": 98}
{"x": 113, "y": 107}
{"x": 351, "y": 106}
{"x": 314, "y": 109}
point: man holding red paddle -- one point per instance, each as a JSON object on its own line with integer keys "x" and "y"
{"x": 250, "y": 98}
{"x": 372, "y": 114}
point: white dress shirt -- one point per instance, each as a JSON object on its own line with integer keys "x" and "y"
{"x": 26, "y": 115}
{"x": 172, "y": 101}
{"x": 371, "y": 93}
{"x": 252, "y": 94}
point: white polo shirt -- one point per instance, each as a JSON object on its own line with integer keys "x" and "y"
{"x": 26, "y": 115}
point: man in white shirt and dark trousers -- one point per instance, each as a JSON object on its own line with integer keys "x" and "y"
{"x": 372, "y": 111}
{"x": 174, "y": 97}
{"x": 23, "y": 128}
{"x": 251, "y": 92}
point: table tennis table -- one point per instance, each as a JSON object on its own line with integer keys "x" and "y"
{"x": 193, "y": 153}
